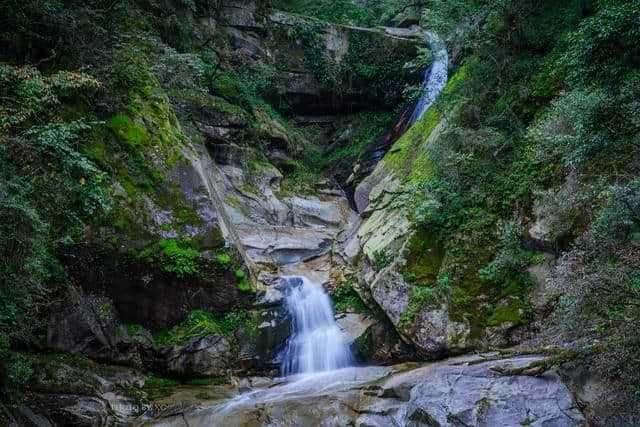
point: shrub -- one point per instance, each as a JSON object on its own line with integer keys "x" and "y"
{"x": 224, "y": 259}
{"x": 381, "y": 259}
{"x": 345, "y": 298}
{"x": 179, "y": 260}
{"x": 244, "y": 286}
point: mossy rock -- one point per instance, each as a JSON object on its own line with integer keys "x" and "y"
{"x": 129, "y": 133}
{"x": 423, "y": 257}
{"x": 512, "y": 313}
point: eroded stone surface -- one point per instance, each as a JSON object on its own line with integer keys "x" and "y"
{"x": 455, "y": 392}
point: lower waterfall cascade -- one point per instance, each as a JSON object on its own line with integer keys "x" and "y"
{"x": 317, "y": 344}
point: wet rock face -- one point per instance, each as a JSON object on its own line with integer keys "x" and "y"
{"x": 89, "y": 327}
{"x": 263, "y": 339}
{"x": 74, "y": 392}
{"x": 329, "y": 90}
{"x": 475, "y": 395}
{"x": 455, "y": 392}
{"x": 145, "y": 294}
{"x": 372, "y": 340}
{"x": 270, "y": 228}
{"x": 209, "y": 355}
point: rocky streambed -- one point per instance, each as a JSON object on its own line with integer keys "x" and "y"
{"x": 462, "y": 391}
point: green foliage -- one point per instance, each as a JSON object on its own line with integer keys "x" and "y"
{"x": 244, "y": 286}
{"x": 49, "y": 191}
{"x": 426, "y": 297}
{"x": 579, "y": 125}
{"x": 129, "y": 133}
{"x": 346, "y": 299}
{"x": 618, "y": 221}
{"x": 179, "y": 259}
{"x": 381, "y": 260}
{"x": 200, "y": 323}
{"x": 510, "y": 259}
{"x": 340, "y": 11}
{"x": 368, "y": 127}
{"x": 311, "y": 36}
{"x": 105, "y": 310}
{"x": 19, "y": 371}
{"x": 604, "y": 48}
{"x": 543, "y": 124}
{"x": 224, "y": 259}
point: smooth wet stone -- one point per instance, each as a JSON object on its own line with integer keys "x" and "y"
{"x": 455, "y": 392}
{"x": 353, "y": 325}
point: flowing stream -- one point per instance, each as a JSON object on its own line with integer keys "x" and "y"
{"x": 435, "y": 76}
{"x": 317, "y": 343}
{"x": 316, "y": 362}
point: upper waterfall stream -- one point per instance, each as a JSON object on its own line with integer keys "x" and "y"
{"x": 317, "y": 343}
{"x": 435, "y": 76}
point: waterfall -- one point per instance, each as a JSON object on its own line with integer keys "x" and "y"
{"x": 435, "y": 77}
{"x": 317, "y": 343}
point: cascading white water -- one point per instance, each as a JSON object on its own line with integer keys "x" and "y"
{"x": 435, "y": 77}
{"x": 317, "y": 343}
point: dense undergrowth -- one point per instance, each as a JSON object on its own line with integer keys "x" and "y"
{"x": 541, "y": 129}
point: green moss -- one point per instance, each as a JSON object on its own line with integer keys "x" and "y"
{"x": 97, "y": 152}
{"x": 105, "y": 310}
{"x": 157, "y": 381}
{"x": 381, "y": 259}
{"x": 234, "y": 202}
{"x": 179, "y": 258}
{"x": 125, "y": 180}
{"x": 146, "y": 255}
{"x": 131, "y": 329}
{"x": 346, "y": 299}
{"x": 224, "y": 259}
{"x": 120, "y": 224}
{"x": 423, "y": 257}
{"x": 200, "y": 323}
{"x": 512, "y": 313}
{"x": 424, "y": 298}
{"x": 225, "y": 85}
{"x": 128, "y": 132}
{"x": 407, "y": 150}
{"x": 157, "y": 387}
{"x": 537, "y": 258}
{"x": 244, "y": 286}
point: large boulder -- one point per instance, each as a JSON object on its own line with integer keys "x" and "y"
{"x": 209, "y": 355}
{"x": 456, "y": 393}
{"x": 89, "y": 326}
{"x": 262, "y": 339}
{"x": 66, "y": 390}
